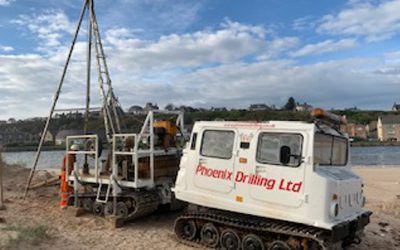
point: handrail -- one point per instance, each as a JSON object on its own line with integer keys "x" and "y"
{"x": 83, "y": 152}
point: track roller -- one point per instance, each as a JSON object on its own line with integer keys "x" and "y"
{"x": 98, "y": 209}
{"x": 252, "y": 242}
{"x": 230, "y": 240}
{"x": 279, "y": 245}
{"x": 209, "y": 235}
{"x": 122, "y": 210}
{"x": 109, "y": 208}
{"x": 186, "y": 229}
{"x": 87, "y": 204}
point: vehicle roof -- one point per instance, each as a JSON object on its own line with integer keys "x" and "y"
{"x": 254, "y": 125}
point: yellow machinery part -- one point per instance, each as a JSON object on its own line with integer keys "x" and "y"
{"x": 169, "y": 127}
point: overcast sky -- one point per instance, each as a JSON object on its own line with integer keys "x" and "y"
{"x": 205, "y": 53}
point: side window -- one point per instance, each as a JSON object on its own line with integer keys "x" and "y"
{"x": 269, "y": 147}
{"x": 339, "y": 154}
{"x": 330, "y": 150}
{"x": 322, "y": 149}
{"x": 217, "y": 143}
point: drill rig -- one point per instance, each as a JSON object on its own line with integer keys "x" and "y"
{"x": 137, "y": 173}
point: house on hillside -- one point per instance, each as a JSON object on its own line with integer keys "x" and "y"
{"x": 61, "y": 135}
{"x": 303, "y": 107}
{"x": 11, "y": 121}
{"x": 258, "y": 107}
{"x": 15, "y": 137}
{"x": 372, "y": 129}
{"x": 388, "y": 128}
{"x": 136, "y": 110}
{"x": 150, "y": 106}
{"x": 396, "y": 107}
{"x": 218, "y": 109}
{"x": 355, "y": 130}
{"x": 49, "y": 137}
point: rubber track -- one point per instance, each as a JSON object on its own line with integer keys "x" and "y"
{"x": 257, "y": 226}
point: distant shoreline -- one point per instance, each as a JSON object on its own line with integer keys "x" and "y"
{"x": 374, "y": 144}
{"x": 29, "y": 148}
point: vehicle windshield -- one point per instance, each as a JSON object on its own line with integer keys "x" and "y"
{"x": 330, "y": 150}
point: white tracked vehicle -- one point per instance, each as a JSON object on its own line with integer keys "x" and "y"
{"x": 272, "y": 185}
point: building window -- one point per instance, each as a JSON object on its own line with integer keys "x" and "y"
{"x": 217, "y": 144}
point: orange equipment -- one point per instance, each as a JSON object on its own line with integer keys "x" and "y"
{"x": 170, "y": 128}
{"x": 65, "y": 189}
{"x": 166, "y": 131}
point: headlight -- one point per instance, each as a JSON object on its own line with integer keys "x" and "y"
{"x": 334, "y": 210}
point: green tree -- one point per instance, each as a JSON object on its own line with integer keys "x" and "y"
{"x": 169, "y": 107}
{"x": 290, "y": 105}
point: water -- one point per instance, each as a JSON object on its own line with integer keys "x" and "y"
{"x": 375, "y": 156}
{"x": 48, "y": 159}
{"x": 360, "y": 156}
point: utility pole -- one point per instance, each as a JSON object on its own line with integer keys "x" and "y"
{"x": 2, "y": 207}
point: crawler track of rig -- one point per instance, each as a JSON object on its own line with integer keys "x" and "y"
{"x": 267, "y": 229}
{"x": 141, "y": 203}
{"x": 145, "y": 203}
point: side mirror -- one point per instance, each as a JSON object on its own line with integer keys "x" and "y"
{"x": 285, "y": 155}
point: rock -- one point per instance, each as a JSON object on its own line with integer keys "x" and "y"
{"x": 115, "y": 222}
{"x": 2, "y": 220}
{"x": 383, "y": 231}
{"x": 383, "y": 224}
{"x": 75, "y": 212}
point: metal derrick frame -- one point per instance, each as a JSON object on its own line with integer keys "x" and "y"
{"x": 110, "y": 103}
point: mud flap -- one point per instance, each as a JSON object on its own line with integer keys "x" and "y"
{"x": 346, "y": 231}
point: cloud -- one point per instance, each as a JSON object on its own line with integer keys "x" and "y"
{"x": 303, "y": 23}
{"x": 6, "y": 2}
{"x": 231, "y": 42}
{"x": 329, "y": 84}
{"x": 208, "y": 67}
{"x": 278, "y": 46}
{"x": 155, "y": 16}
{"x": 375, "y": 22}
{"x": 49, "y": 26}
{"x": 6, "y": 48}
{"x": 324, "y": 47}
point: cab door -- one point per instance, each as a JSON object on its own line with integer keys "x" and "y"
{"x": 274, "y": 181}
{"x": 216, "y": 159}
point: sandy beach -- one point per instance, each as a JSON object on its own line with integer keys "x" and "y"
{"x": 38, "y": 223}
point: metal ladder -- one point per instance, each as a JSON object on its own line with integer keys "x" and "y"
{"x": 107, "y": 193}
{"x": 110, "y": 103}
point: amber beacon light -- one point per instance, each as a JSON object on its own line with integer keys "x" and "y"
{"x": 319, "y": 113}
